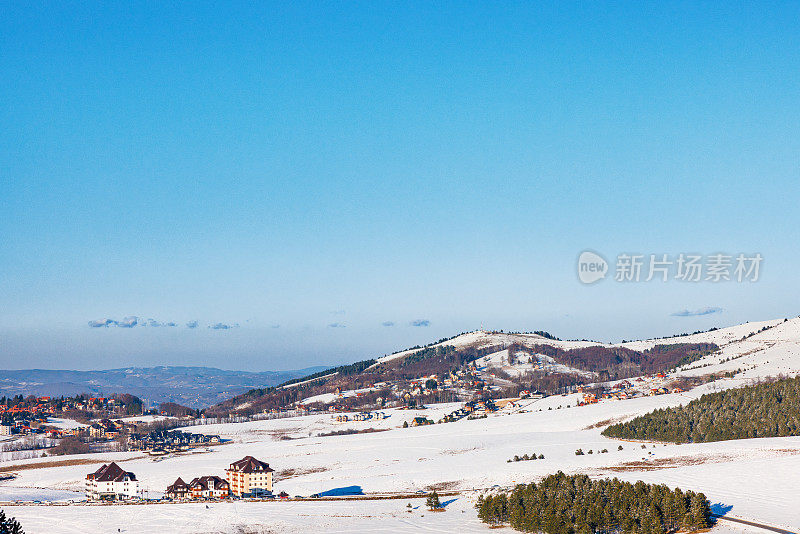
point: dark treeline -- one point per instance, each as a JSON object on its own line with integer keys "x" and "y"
{"x": 426, "y": 353}
{"x": 348, "y": 369}
{"x": 562, "y": 504}
{"x": 433, "y": 360}
{"x": 280, "y": 396}
{"x": 764, "y": 410}
{"x": 614, "y": 363}
{"x": 177, "y": 410}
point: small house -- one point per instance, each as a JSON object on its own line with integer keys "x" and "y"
{"x": 209, "y": 487}
{"x": 178, "y": 490}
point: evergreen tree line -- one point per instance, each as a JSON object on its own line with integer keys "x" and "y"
{"x": 576, "y": 504}
{"x": 764, "y": 410}
{"x": 525, "y": 457}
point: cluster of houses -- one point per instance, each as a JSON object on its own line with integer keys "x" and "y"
{"x": 465, "y": 382}
{"x": 108, "y": 429}
{"x": 473, "y": 408}
{"x": 22, "y": 427}
{"x": 361, "y": 416}
{"x": 468, "y": 378}
{"x": 43, "y": 407}
{"x": 23, "y": 416}
{"x": 81, "y": 403}
{"x": 246, "y": 478}
{"x": 164, "y": 441}
{"x": 630, "y": 389}
{"x": 34, "y": 406}
{"x": 92, "y": 404}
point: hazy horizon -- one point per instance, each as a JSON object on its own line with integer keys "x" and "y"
{"x": 345, "y": 355}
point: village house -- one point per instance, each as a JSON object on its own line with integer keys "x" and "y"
{"x": 178, "y": 490}
{"x": 421, "y": 421}
{"x": 209, "y": 487}
{"x": 111, "y": 483}
{"x": 250, "y": 478}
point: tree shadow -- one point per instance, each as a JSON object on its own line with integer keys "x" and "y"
{"x": 720, "y": 509}
{"x": 341, "y": 492}
{"x": 444, "y": 504}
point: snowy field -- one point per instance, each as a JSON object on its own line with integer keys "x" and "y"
{"x": 342, "y": 517}
{"x": 755, "y": 479}
{"x": 66, "y": 424}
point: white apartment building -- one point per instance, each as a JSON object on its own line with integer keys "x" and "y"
{"x": 111, "y": 483}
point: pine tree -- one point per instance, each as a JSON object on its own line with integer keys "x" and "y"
{"x": 9, "y": 525}
{"x": 433, "y": 501}
{"x": 699, "y": 511}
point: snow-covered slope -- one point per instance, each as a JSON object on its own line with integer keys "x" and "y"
{"x": 773, "y": 351}
{"x": 756, "y": 479}
{"x": 526, "y": 361}
{"x": 749, "y": 352}
{"x": 454, "y": 456}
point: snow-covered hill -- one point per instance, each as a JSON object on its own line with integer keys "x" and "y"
{"x": 755, "y": 479}
{"x": 757, "y": 350}
{"x": 482, "y": 339}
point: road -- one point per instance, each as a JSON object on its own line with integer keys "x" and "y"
{"x": 752, "y": 524}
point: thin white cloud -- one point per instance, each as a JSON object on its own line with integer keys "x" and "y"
{"x": 132, "y": 321}
{"x": 223, "y": 326}
{"x": 128, "y": 322}
{"x": 699, "y": 312}
{"x": 100, "y": 323}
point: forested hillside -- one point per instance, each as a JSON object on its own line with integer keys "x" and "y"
{"x": 614, "y": 363}
{"x": 763, "y": 410}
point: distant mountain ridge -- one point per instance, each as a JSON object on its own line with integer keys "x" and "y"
{"x": 196, "y": 387}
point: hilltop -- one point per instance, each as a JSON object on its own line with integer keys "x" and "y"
{"x": 491, "y": 364}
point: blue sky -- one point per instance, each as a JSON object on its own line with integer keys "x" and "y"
{"x": 284, "y": 167}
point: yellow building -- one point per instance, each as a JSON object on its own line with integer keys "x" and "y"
{"x": 249, "y": 478}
